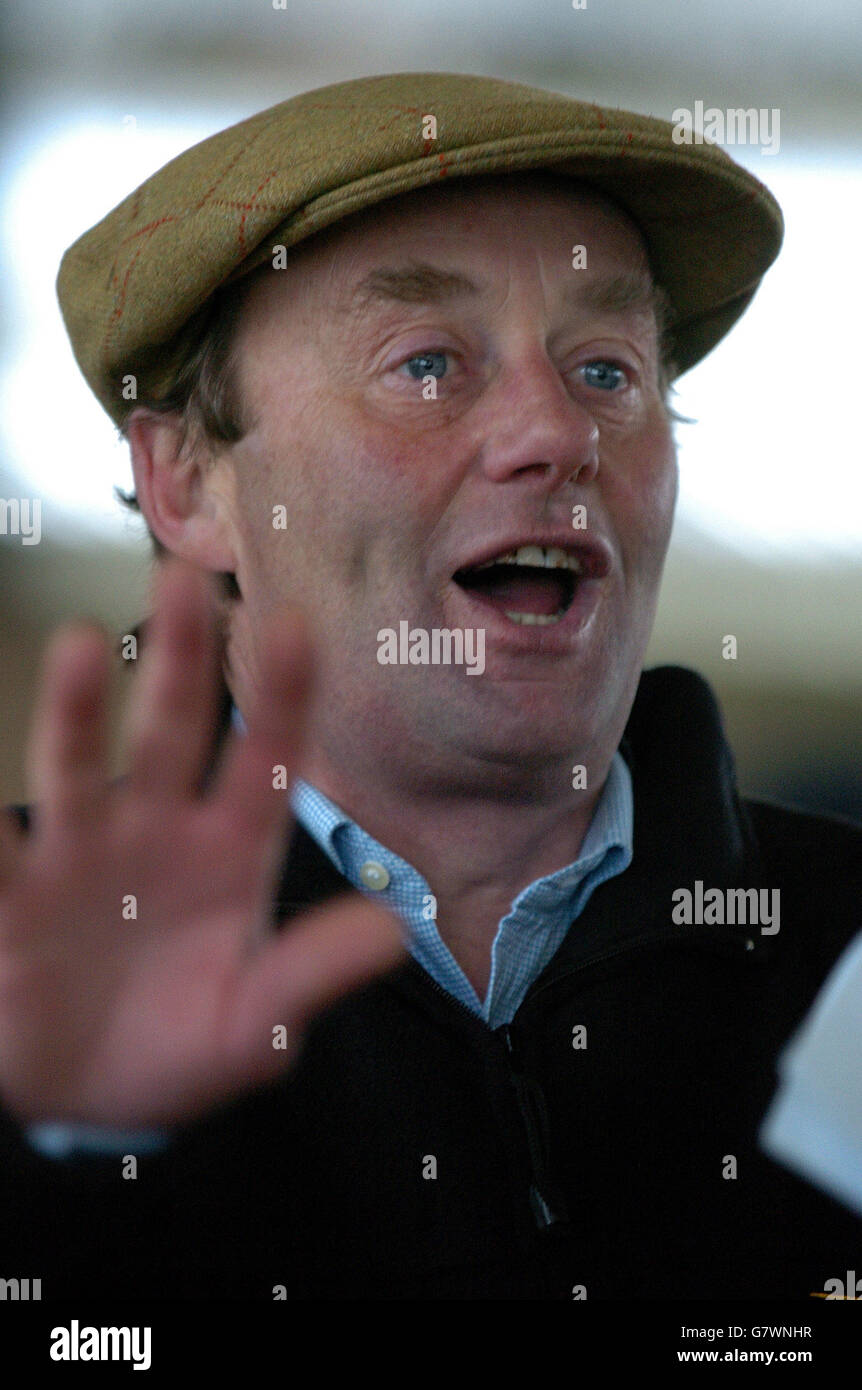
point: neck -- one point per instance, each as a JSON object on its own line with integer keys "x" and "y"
{"x": 476, "y": 851}
{"x": 478, "y": 831}
{"x": 462, "y": 842}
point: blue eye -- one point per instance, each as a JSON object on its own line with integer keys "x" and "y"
{"x": 426, "y": 364}
{"x": 605, "y": 375}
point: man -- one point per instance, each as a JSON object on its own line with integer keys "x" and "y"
{"x": 398, "y": 354}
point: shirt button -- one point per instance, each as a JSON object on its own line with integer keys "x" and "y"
{"x": 373, "y": 875}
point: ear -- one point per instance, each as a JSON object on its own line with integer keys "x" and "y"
{"x": 182, "y": 490}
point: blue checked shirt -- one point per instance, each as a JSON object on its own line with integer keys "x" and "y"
{"x": 533, "y": 928}
{"x": 526, "y": 938}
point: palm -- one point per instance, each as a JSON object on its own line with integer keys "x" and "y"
{"x": 140, "y": 981}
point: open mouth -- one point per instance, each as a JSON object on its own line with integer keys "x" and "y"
{"x": 532, "y": 585}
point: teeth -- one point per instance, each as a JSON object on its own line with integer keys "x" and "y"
{"x": 536, "y": 619}
{"x": 548, "y": 557}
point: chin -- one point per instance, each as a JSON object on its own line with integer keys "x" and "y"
{"x": 549, "y": 717}
{"x": 530, "y": 727}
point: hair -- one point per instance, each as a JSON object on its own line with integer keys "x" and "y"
{"x": 203, "y": 389}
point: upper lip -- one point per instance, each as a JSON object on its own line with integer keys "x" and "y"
{"x": 593, "y": 553}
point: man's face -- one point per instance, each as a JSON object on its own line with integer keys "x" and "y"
{"x": 547, "y": 399}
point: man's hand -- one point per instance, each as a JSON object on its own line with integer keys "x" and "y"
{"x": 111, "y": 1018}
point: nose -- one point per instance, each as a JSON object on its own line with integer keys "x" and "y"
{"x": 537, "y": 429}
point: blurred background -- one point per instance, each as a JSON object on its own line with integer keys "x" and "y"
{"x": 768, "y": 541}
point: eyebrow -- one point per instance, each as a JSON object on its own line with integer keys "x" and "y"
{"x": 620, "y": 294}
{"x": 417, "y": 283}
{"x": 423, "y": 283}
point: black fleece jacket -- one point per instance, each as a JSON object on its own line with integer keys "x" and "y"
{"x": 415, "y": 1153}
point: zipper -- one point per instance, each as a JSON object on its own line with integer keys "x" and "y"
{"x": 547, "y": 1206}
{"x": 547, "y": 1202}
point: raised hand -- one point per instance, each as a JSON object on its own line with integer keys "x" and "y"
{"x": 153, "y": 1018}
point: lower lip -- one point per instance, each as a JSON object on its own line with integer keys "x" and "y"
{"x": 550, "y": 637}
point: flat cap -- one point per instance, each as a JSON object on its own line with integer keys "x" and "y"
{"x": 130, "y": 285}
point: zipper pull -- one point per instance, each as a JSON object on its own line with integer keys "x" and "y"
{"x": 542, "y": 1213}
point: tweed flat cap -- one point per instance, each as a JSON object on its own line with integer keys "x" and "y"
{"x": 130, "y": 285}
